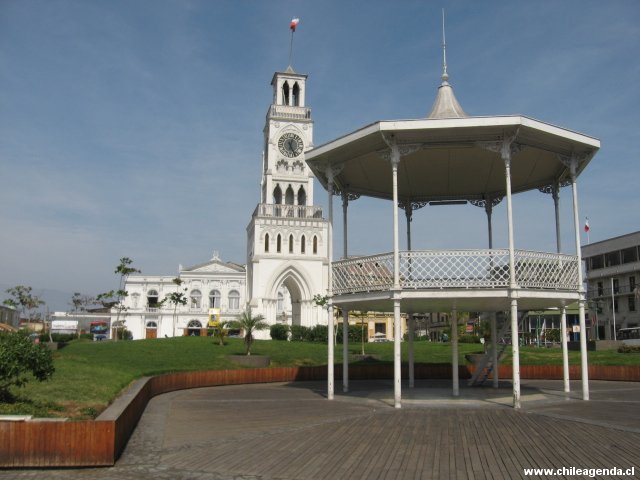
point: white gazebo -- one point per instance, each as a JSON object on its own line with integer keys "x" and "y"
{"x": 450, "y": 157}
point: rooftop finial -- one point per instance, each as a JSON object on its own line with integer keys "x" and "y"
{"x": 445, "y": 75}
{"x": 446, "y": 105}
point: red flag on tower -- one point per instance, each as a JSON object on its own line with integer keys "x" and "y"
{"x": 586, "y": 225}
{"x": 294, "y": 24}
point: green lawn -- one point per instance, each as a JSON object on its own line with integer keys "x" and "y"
{"x": 89, "y": 375}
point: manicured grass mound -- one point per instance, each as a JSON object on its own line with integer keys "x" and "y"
{"x": 89, "y": 375}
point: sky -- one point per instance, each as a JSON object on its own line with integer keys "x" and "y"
{"x": 134, "y": 127}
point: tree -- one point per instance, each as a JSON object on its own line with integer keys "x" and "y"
{"x": 249, "y": 324}
{"x": 220, "y": 331}
{"x": 80, "y": 301}
{"x": 179, "y": 297}
{"x": 362, "y": 317}
{"x": 323, "y": 301}
{"x": 20, "y": 358}
{"x": 116, "y": 297}
{"x": 24, "y": 300}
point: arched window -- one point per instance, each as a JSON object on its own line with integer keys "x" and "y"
{"x": 280, "y": 307}
{"x": 266, "y": 242}
{"x": 234, "y": 300}
{"x": 152, "y": 298}
{"x": 303, "y": 244}
{"x": 279, "y": 244}
{"x": 296, "y": 95}
{"x": 302, "y": 196}
{"x": 290, "y": 243}
{"x": 288, "y": 199}
{"x": 194, "y": 328}
{"x": 196, "y": 298}
{"x": 214, "y": 299}
{"x": 277, "y": 195}
{"x": 285, "y": 93}
{"x": 315, "y": 244}
{"x": 152, "y": 325}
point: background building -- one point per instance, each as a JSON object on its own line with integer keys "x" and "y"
{"x": 212, "y": 285}
{"x": 613, "y": 271}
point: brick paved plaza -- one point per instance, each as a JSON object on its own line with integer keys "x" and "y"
{"x": 290, "y": 431}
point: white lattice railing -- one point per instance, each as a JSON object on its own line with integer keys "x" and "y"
{"x": 430, "y": 269}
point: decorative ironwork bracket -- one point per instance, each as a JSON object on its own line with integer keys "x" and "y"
{"x": 409, "y": 206}
{"x": 507, "y": 147}
{"x": 397, "y": 151}
{"x": 487, "y": 202}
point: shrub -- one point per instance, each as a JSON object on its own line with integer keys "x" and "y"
{"x": 553, "y": 335}
{"x": 21, "y": 358}
{"x": 58, "y": 337}
{"x": 629, "y": 349}
{"x": 305, "y": 334}
{"x": 279, "y": 331}
{"x": 355, "y": 333}
{"x": 469, "y": 339}
{"x": 299, "y": 333}
{"x": 319, "y": 333}
{"x": 124, "y": 334}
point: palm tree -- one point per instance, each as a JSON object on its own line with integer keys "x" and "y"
{"x": 249, "y": 324}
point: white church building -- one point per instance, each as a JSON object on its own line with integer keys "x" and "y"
{"x": 287, "y": 244}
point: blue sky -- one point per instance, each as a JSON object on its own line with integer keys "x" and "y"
{"x": 134, "y": 128}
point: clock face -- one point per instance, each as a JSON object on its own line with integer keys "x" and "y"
{"x": 290, "y": 145}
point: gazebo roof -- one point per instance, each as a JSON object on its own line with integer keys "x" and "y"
{"x": 451, "y": 158}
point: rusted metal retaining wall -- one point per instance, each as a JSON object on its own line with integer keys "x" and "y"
{"x": 100, "y": 442}
{"x": 56, "y": 444}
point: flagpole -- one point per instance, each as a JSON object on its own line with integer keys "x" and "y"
{"x": 292, "y": 26}
{"x": 291, "y": 46}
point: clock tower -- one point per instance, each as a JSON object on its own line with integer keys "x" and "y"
{"x": 287, "y": 237}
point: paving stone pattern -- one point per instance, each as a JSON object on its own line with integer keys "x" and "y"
{"x": 291, "y": 431}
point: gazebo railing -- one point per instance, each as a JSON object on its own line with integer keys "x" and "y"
{"x": 454, "y": 269}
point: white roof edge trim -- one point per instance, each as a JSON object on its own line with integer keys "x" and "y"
{"x": 431, "y": 123}
{"x": 338, "y": 142}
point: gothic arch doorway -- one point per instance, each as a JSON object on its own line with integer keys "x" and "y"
{"x": 295, "y": 300}
{"x": 291, "y": 297}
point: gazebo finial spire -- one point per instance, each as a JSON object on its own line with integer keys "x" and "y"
{"x": 446, "y": 105}
{"x": 445, "y": 75}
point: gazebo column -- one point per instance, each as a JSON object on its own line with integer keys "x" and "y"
{"x": 409, "y": 206}
{"x": 411, "y": 320}
{"x": 330, "y": 355}
{"x": 554, "y": 190}
{"x": 494, "y": 349}
{"x": 506, "y": 152}
{"x": 408, "y": 212}
{"x": 584, "y": 363}
{"x": 454, "y": 352}
{"x": 488, "y": 203}
{"x": 494, "y": 321}
{"x": 397, "y": 331}
{"x": 345, "y": 312}
{"x": 565, "y": 353}
{"x": 345, "y": 350}
{"x": 563, "y": 317}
